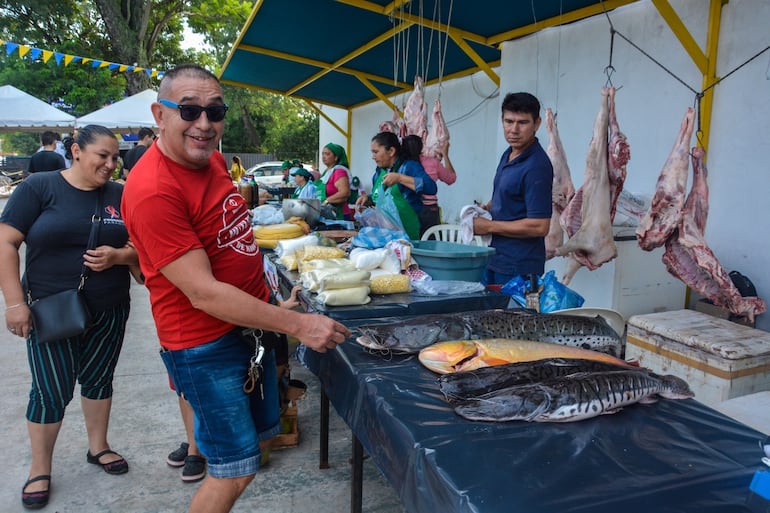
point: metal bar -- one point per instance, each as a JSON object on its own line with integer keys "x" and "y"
{"x": 679, "y": 29}
{"x": 324, "y": 435}
{"x": 356, "y": 475}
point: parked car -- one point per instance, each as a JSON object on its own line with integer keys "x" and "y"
{"x": 269, "y": 174}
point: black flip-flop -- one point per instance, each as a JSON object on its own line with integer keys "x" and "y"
{"x": 36, "y": 500}
{"x": 114, "y": 467}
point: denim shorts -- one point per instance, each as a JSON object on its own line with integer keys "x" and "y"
{"x": 228, "y": 422}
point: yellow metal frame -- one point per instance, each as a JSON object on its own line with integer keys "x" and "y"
{"x": 705, "y": 60}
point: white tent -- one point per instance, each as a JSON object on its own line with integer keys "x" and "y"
{"x": 130, "y": 113}
{"x": 20, "y": 111}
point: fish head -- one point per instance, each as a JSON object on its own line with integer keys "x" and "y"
{"x": 410, "y": 336}
{"x": 444, "y": 357}
{"x": 676, "y": 388}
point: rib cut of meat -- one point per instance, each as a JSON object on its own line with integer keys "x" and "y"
{"x": 666, "y": 207}
{"x": 689, "y": 258}
{"x": 563, "y": 189}
{"x": 592, "y": 245}
{"x": 416, "y": 111}
{"x": 438, "y": 133}
{"x": 619, "y": 153}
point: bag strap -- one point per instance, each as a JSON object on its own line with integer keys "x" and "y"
{"x": 93, "y": 237}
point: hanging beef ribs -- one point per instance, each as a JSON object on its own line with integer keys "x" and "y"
{"x": 689, "y": 258}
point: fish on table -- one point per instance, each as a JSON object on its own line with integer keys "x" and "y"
{"x": 459, "y": 386}
{"x": 465, "y": 355}
{"x": 575, "y": 397}
{"x": 412, "y": 335}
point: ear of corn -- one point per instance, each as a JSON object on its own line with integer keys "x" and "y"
{"x": 390, "y": 284}
{"x": 276, "y": 232}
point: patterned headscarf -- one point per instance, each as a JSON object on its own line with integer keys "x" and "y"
{"x": 339, "y": 152}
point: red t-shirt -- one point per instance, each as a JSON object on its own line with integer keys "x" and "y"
{"x": 170, "y": 210}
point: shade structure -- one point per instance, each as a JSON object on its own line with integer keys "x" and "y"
{"x": 371, "y": 50}
{"x": 20, "y": 111}
{"x": 131, "y": 113}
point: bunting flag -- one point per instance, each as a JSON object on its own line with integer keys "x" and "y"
{"x": 66, "y": 59}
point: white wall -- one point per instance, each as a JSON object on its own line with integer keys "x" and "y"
{"x": 564, "y": 68}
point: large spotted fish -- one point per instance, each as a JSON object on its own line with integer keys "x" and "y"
{"x": 460, "y": 386}
{"x": 571, "y": 330}
{"x": 575, "y": 397}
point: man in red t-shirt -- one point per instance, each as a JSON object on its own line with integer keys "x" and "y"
{"x": 204, "y": 271}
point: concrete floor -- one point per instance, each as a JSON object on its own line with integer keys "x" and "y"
{"x": 146, "y": 426}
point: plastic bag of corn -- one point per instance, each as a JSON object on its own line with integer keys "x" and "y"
{"x": 345, "y": 297}
{"x": 289, "y": 262}
{"x": 340, "y": 264}
{"x": 344, "y": 280}
{"x": 322, "y": 252}
{"x": 311, "y": 280}
{"x": 390, "y": 284}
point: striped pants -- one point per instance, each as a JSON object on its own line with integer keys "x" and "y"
{"x": 89, "y": 358}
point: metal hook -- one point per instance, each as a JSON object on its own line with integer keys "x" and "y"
{"x": 609, "y": 70}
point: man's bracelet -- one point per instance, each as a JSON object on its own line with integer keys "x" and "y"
{"x": 17, "y": 305}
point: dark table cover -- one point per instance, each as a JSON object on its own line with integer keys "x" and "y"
{"x": 668, "y": 457}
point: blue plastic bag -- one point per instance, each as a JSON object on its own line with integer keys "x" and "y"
{"x": 554, "y": 295}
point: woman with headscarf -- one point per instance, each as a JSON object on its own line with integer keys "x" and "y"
{"x": 398, "y": 163}
{"x": 305, "y": 187}
{"x": 334, "y": 186}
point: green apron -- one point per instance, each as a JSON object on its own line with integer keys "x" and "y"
{"x": 409, "y": 218}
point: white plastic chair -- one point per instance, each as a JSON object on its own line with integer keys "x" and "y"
{"x": 447, "y": 233}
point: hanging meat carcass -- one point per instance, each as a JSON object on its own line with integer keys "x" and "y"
{"x": 563, "y": 190}
{"x": 395, "y": 125}
{"x": 438, "y": 133}
{"x": 619, "y": 153}
{"x": 592, "y": 244}
{"x": 689, "y": 258}
{"x": 416, "y": 111}
{"x": 665, "y": 210}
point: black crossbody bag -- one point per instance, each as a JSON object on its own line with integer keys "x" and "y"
{"x": 65, "y": 314}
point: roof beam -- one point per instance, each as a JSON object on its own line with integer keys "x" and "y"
{"x": 352, "y": 55}
{"x": 679, "y": 29}
{"x": 392, "y": 10}
{"x": 475, "y": 57}
{"x": 561, "y": 19}
{"x": 319, "y": 64}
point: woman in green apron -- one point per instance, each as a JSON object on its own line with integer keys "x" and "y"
{"x": 334, "y": 185}
{"x": 400, "y": 167}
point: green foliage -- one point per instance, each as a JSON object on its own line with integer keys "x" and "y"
{"x": 21, "y": 143}
{"x": 146, "y": 33}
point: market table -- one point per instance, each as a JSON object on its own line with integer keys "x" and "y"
{"x": 667, "y": 457}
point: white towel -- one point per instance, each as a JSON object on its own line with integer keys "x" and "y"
{"x": 467, "y": 214}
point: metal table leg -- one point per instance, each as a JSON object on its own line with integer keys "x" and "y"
{"x": 356, "y": 475}
{"x": 324, "y": 442}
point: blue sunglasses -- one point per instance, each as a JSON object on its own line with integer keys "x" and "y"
{"x": 214, "y": 113}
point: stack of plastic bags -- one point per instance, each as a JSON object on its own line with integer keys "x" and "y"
{"x": 326, "y": 271}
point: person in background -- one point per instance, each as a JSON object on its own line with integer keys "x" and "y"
{"x": 286, "y": 169}
{"x": 305, "y": 186}
{"x": 46, "y": 159}
{"x": 521, "y": 196}
{"x": 237, "y": 171}
{"x": 51, "y": 213}
{"x": 430, "y": 215}
{"x": 146, "y": 137}
{"x": 397, "y": 165}
{"x": 334, "y": 186}
{"x": 198, "y": 254}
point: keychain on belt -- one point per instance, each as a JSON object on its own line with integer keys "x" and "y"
{"x": 256, "y": 372}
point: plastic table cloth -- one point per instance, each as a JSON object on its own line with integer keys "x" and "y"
{"x": 668, "y": 457}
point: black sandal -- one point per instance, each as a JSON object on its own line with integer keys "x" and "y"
{"x": 36, "y": 500}
{"x": 114, "y": 467}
